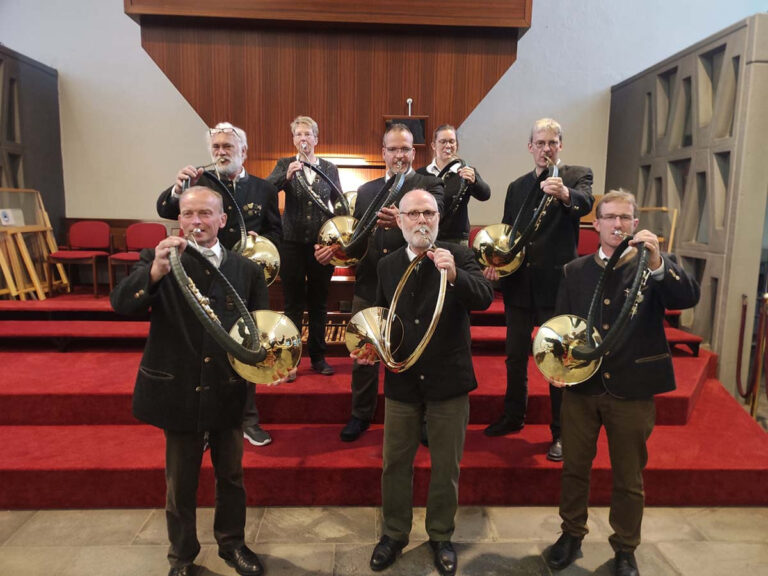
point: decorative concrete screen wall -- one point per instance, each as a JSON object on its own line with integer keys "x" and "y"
{"x": 691, "y": 134}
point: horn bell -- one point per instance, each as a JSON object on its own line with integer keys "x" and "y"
{"x": 493, "y": 247}
{"x": 553, "y": 347}
{"x": 337, "y": 231}
{"x": 262, "y": 251}
{"x": 282, "y": 341}
{"x": 365, "y": 332}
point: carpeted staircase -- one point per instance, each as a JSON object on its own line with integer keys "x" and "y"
{"x": 70, "y": 441}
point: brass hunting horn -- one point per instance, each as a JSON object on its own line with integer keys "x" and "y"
{"x": 350, "y": 236}
{"x": 260, "y": 249}
{"x": 502, "y": 246}
{"x": 262, "y": 346}
{"x": 371, "y": 328}
{"x": 568, "y": 349}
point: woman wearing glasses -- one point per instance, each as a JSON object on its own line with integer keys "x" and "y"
{"x": 308, "y": 204}
{"x": 461, "y": 183}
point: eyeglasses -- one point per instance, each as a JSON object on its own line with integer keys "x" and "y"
{"x": 214, "y": 131}
{"x": 539, "y": 144}
{"x": 444, "y": 142}
{"x": 413, "y": 215}
{"x": 404, "y": 150}
{"x": 622, "y": 217}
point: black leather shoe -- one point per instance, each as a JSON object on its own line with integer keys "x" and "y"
{"x": 186, "y": 570}
{"x": 385, "y": 553}
{"x": 555, "y": 452}
{"x": 445, "y": 557}
{"x": 322, "y": 367}
{"x": 564, "y": 551}
{"x": 624, "y": 564}
{"x": 354, "y": 428}
{"x": 504, "y": 425}
{"x": 243, "y": 560}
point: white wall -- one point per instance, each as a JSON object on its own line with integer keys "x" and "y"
{"x": 126, "y": 130}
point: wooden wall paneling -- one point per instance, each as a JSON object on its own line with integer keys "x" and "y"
{"x": 260, "y": 79}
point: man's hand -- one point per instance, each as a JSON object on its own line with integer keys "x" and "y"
{"x": 161, "y": 265}
{"x": 187, "y": 174}
{"x": 555, "y": 187}
{"x": 490, "y": 273}
{"x": 443, "y": 260}
{"x": 293, "y": 167}
{"x": 651, "y": 242}
{"x": 324, "y": 254}
{"x": 365, "y": 355}
{"x": 387, "y": 217}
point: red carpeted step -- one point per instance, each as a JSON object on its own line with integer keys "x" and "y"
{"x": 490, "y": 339}
{"x": 102, "y": 466}
{"x": 76, "y": 388}
{"x": 80, "y": 329}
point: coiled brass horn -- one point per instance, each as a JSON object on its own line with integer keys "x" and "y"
{"x": 369, "y": 331}
{"x": 350, "y": 237}
{"x": 262, "y": 346}
{"x": 502, "y": 246}
{"x": 458, "y": 198}
{"x": 567, "y": 349}
{"x": 257, "y": 249}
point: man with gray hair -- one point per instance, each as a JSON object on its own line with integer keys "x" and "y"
{"x": 529, "y": 293}
{"x": 436, "y": 388}
{"x": 257, "y": 200}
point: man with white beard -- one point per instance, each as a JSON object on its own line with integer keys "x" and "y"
{"x": 435, "y": 389}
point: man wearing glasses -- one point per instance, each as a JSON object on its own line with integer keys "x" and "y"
{"x": 530, "y": 292}
{"x": 257, "y": 200}
{"x": 436, "y": 387}
{"x": 398, "y": 153}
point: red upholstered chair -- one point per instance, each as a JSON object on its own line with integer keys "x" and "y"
{"x": 589, "y": 240}
{"x": 137, "y": 237}
{"x": 89, "y": 240}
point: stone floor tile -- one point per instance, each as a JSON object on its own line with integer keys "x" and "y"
{"x": 277, "y": 559}
{"x": 416, "y": 560}
{"x": 117, "y": 561}
{"x": 34, "y": 561}
{"x": 716, "y": 558}
{"x": 321, "y": 524}
{"x": 536, "y": 523}
{"x": 12, "y": 520}
{"x": 668, "y": 525}
{"x": 731, "y": 524}
{"x": 155, "y": 531}
{"x": 501, "y": 559}
{"x": 80, "y": 528}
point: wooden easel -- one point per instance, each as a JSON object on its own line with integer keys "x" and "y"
{"x": 21, "y": 267}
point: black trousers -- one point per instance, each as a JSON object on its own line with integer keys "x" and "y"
{"x": 305, "y": 287}
{"x": 183, "y": 457}
{"x": 520, "y": 322}
{"x": 365, "y": 379}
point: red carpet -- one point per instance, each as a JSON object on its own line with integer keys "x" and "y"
{"x": 70, "y": 441}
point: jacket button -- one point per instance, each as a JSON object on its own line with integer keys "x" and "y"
{"x": 139, "y": 294}
{"x": 207, "y": 359}
{"x": 229, "y": 207}
{"x": 198, "y": 388}
{"x": 207, "y": 272}
{"x": 606, "y": 326}
{"x": 607, "y": 375}
{"x": 607, "y": 301}
{"x": 231, "y": 229}
{"x": 421, "y": 376}
{"x": 416, "y": 321}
